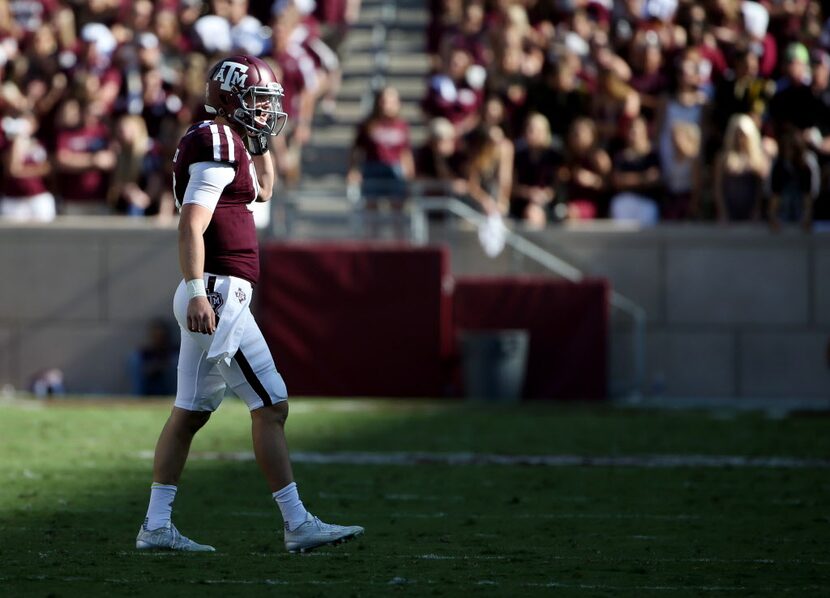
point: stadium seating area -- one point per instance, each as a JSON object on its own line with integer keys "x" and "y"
{"x": 546, "y": 110}
{"x": 645, "y": 110}
{"x": 95, "y": 95}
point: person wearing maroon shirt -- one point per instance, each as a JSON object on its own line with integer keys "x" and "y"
{"x": 26, "y": 165}
{"x": 451, "y": 95}
{"x": 335, "y": 17}
{"x": 222, "y": 166}
{"x": 84, "y": 159}
{"x": 381, "y": 155}
{"x": 295, "y": 69}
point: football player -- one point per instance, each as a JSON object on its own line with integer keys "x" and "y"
{"x": 220, "y": 167}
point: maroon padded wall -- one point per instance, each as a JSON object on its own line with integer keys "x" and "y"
{"x": 568, "y": 326}
{"x": 355, "y": 319}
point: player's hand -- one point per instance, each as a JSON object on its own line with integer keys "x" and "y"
{"x": 257, "y": 144}
{"x": 200, "y": 316}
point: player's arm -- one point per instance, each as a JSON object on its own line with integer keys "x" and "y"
{"x": 192, "y": 225}
{"x": 265, "y": 175}
{"x": 204, "y": 189}
{"x": 263, "y": 163}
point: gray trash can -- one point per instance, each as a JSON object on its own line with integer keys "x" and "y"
{"x": 494, "y": 363}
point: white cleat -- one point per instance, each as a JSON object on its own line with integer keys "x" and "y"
{"x": 168, "y": 538}
{"x": 313, "y": 533}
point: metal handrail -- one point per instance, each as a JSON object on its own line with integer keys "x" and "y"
{"x": 420, "y": 236}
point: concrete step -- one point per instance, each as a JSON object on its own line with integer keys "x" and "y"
{"x": 394, "y": 43}
{"x": 409, "y": 63}
{"x": 410, "y": 88}
{"x": 401, "y": 15}
{"x": 406, "y": 86}
{"x": 353, "y": 112}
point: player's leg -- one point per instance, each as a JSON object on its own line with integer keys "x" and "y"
{"x": 173, "y": 444}
{"x": 254, "y": 377}
{"x": 200, "y": 388}
{"x": 270, "y": 446}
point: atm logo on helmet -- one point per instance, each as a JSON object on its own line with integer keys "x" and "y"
{"x": 231, "y": 74}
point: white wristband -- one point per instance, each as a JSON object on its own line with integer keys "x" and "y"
{"x": 196, "y": 288}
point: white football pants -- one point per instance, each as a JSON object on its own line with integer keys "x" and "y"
{"x": 247, "y": 367}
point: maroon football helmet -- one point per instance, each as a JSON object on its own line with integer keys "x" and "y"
{"x": 245, "y": 90}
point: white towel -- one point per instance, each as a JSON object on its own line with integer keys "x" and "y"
{"x": 233, "y": 314}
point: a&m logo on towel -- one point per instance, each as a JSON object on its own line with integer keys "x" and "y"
{"x": 240, "y": 294}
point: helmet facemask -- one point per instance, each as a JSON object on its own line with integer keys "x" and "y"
{"x": 261, "y": 110}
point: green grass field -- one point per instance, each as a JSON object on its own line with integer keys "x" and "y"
{"x": 74, "y": 481}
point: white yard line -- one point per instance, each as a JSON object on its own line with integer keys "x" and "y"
{"x": 465, "y": 458}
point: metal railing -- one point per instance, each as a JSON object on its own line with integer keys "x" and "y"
{"x": 420, "y": 207}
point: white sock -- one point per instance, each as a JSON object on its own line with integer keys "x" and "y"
{"x": 292, "y": 508}
{"x": 161, "y": 505}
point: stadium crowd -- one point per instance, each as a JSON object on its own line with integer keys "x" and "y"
{"x": 95, "y": 94}
{"x": 651, "y": 110}
{"x": 546, "y": 110}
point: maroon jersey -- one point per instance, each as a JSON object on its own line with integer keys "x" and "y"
{"x": 91, "y": 184}
{"x": 231, "y": 246}
{"x": 384, "y": 140}
{"x": 34, "y": 155}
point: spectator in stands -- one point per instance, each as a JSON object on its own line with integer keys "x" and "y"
{"x": 649, "y": 78}
{"x": 295, "y": 70}
{"x": 693, "y": 19}
{"x": 43, "y": 82}
{"x": 456, "y": 93}
{"x": 560, "y": 96}
{"x": 741, "y": 170}
{"x": 680, "y": 140}
{"x": 509, "y": 83}
{"x": 490, "y": 169}
{"x": 615, "y": 106}
{"x": 534, "y": 174}
{"x": 335, "y": 18}
{"x": 743, "y": 91}
{"x": 795, "y": 181}
{"x": 381, "y": 159}
{"x": 306, "y": 34}
{"x": 755, "y": 35}
{"x": 94, "y": 75}
{"x": 26, "y": 166}
{"x": 191, "y": 89}
{"x": 586, "y": 170}
{"x": 469, "y": 34}
{"x": 127, "y": 193}
{"x": 636, "y": 178}
{"x": 230, "y": 28}
{"x": 84, "y": 160}
{"x": 170, "y": 44}
{"x": 139, "y": 20}
{"x": 440, "y": 162}
{"x": 793, "y": 92}
{"x": 818, "y": 137}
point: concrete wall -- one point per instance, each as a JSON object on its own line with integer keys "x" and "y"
{"x": 731, "y": 311}
{"x": 78, "y": 294}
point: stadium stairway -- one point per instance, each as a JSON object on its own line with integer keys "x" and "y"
{"x": 385, "y": 47}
